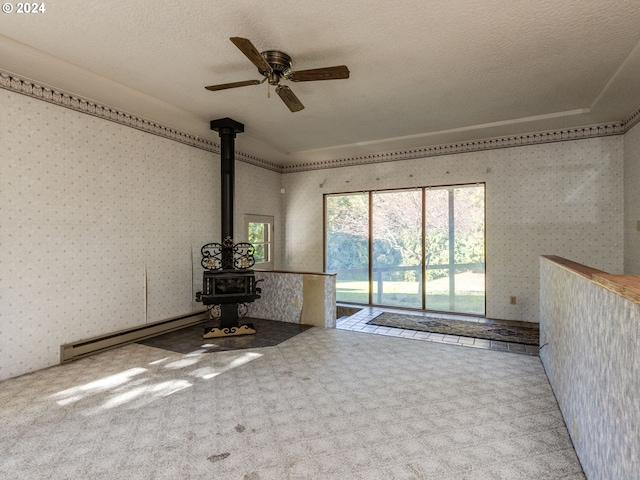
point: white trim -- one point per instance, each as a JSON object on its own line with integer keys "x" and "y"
{"x": 12, "y": 82}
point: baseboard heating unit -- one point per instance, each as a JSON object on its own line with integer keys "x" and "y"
{"x": 91, "y": 346}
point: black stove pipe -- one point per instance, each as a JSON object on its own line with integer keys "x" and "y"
{"x": 227, "y": 129}
{"x": 229, "y": 322}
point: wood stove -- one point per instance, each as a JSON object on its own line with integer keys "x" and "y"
{"x": 228, "y": 284}
{"x": 228, "y": 287}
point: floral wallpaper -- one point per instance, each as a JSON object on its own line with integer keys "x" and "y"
{"x": 101, "y": 226}
{"x": 632, "y": 201}
{"x": 591, "y": 339}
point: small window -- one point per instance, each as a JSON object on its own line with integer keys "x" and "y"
{"x": 260, "y": 234}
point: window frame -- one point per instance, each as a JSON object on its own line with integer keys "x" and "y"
{"x": 267, "y": 220}
{"x": 449, "y": 187}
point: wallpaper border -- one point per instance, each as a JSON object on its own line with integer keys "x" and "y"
{"x": 14, "y": 83}
{"x": 577, "y": 133}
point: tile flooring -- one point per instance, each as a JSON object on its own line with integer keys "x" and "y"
{"x": 358, "y": 322}
{"x": 189, "y": 339}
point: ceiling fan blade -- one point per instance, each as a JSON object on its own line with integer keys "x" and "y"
{"x": 224, "y": 86}
{"x": 251, "y": 53}
{"x": 289, "y": 98}
{"x": 327, "y": 73}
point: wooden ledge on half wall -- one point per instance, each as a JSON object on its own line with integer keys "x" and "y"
{"x": 627, "y": 286}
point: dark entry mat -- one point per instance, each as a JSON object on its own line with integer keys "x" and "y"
{"x": 488, "y": 331}
{"x": 189, "y": 339}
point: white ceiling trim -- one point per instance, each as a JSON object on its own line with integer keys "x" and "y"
{"x": 617, "y": 73}
{"x": 468, "y": 128}
{"x": 12, "y": 82}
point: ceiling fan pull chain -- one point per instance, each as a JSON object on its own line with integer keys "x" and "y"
{"x": 268, "y": 90}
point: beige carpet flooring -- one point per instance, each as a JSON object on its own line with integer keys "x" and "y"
{"x": 325, "y": 404}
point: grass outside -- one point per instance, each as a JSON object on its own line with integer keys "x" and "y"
{"x": 469, "y": 296}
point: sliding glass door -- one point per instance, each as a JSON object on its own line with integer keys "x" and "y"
{"x": 347, "y": 244}
{"x": 454, "y": 249}
{"x": 420, "y": 248}
{"x": 396, "y": 219}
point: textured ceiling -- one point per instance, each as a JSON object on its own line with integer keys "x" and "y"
{"x": 423, "y": 72}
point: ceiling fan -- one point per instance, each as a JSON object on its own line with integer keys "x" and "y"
{"x": 274, "y": 66}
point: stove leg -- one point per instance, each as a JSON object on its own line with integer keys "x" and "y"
{"x": 229, "y": 324}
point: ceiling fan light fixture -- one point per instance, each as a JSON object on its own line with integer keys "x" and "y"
{"x": 274, "y": 78}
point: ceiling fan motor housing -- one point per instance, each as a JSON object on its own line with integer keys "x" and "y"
{"x": 280, "y": 64}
